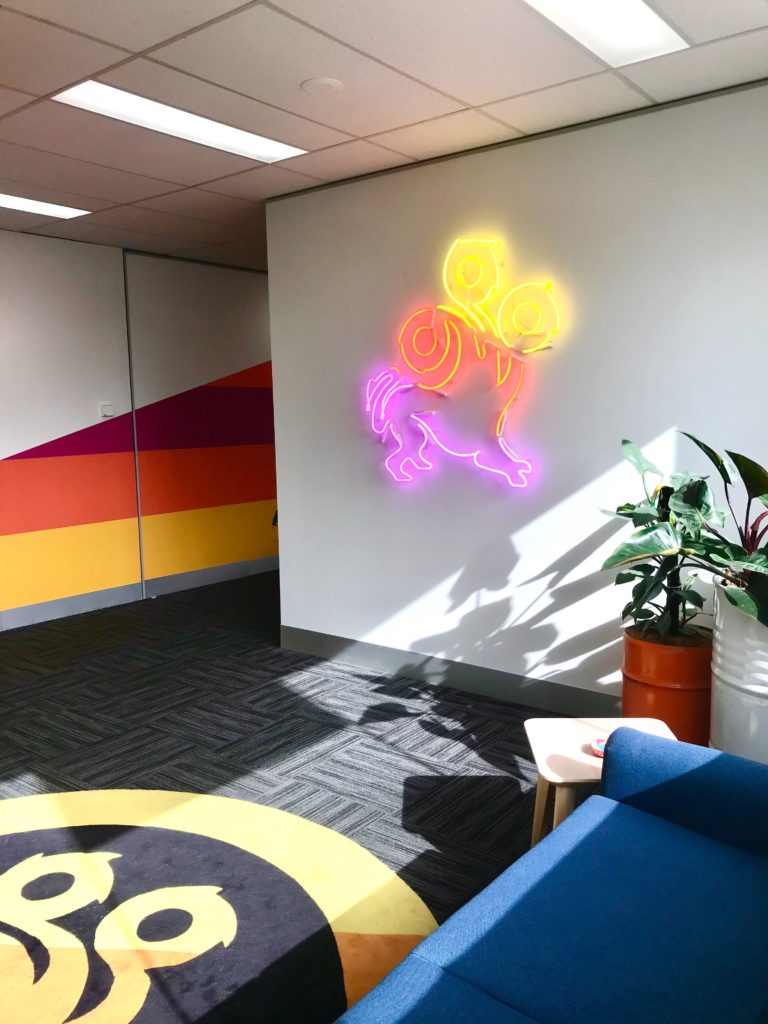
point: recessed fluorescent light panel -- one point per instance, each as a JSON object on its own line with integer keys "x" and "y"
{"x": 619, "y": 31}
{"x": 43, "y": 209}
{"x": 125, "y": 106}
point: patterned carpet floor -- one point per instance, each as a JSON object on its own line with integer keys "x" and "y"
{"x": 192, "y": 692}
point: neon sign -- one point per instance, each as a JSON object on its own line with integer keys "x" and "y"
{"x": 482, "y": 327}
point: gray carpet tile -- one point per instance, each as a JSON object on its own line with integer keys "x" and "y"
{"x": 192, "y": 692}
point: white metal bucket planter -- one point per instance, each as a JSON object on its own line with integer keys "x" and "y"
{"x": 739, "y": 682}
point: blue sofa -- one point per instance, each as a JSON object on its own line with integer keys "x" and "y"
{"x": 648, "y": 905}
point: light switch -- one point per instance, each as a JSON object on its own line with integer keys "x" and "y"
{"x": 106, "y": 409}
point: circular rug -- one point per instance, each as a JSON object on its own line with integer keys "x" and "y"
{"x": 154, "y": 907}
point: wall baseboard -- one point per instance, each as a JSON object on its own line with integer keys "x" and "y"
{"x": 30, "y": 614}
{"x": 202, "y": 577}
{"x": 542, "y": 694}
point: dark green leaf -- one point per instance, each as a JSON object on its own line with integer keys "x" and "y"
{"x": 645, "y": 514}
{"x": 646, "y": 590}
{"x": 753, "y": 563}
{"x": 649, "y": 542}
{"x": 742, "y": 600}
{"x": 634, "y": 455}
{"x": 753, "y": 475}
{"x": 694, "y": 597}
{"x": 627, "y": 576}
{"x": 714, "y": 457}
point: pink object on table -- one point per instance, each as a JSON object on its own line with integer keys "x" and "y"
{"x": 598, "y": 747}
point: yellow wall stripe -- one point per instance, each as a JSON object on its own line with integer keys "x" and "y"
{"x": 203, "y": 537}
{"x": 50, "y": 564}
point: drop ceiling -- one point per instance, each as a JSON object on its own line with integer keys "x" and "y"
{"x": 422, "y": 78}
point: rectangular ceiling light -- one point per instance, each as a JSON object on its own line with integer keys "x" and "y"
{"x": 43, "y": 209}
{"x": 619, "y": 31}
{"x": 125, "y": 106}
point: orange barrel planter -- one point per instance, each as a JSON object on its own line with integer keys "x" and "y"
{"x": 669, "y": 680}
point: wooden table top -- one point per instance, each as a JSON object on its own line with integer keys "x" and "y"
{"x": 562, "y": 746}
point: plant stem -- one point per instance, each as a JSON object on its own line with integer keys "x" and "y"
{"x": 717, "y": 533}
{"x": 714, "y": 569}
{"x": 730, "y": 506}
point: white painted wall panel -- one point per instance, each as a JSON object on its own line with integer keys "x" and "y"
{"x": 654, "y": 230}
{"x": 62, "y": 338}
{"x": 192, "y": 323}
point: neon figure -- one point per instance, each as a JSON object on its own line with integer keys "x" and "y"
{"x": 481, "y": 328}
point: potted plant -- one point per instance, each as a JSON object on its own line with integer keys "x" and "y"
{"x": 666, "y": 666}
{"x": 740, "y": 655}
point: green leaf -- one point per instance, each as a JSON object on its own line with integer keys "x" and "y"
{"x": 630, "y": 575}
{"x": 645, "y": 514}
{"x": 753, "y": 475}
{"x": 694, "y": 505}
{"x": 714, "y": 457}
{"x": 742, "y": 600}
{"x": 753, "y": 563}
{"x": 650, "y": 542}
{"x": 625, "y": 511}
{"x": 634, "y": 455}
{"x": 694, "y": 597}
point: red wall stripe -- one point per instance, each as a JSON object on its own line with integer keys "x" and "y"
{"x": 177, "y": 480}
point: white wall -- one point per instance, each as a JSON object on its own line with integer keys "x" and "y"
{"x": 192, "y": 323}
{"x": 654, "y": 229}
{"x": 62, "y": 338}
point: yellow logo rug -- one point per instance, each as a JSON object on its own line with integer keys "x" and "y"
{"x": 153, "y": 907}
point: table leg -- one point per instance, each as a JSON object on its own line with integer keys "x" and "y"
{"x": 542, "y": 794}
{"x": 565, "y": 797}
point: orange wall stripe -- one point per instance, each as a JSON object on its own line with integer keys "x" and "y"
{"x": 254, "y": 377}
{"x": 204, "y": 537}
{"x": 67, "y": 490}
{"x": 178, "y": 479}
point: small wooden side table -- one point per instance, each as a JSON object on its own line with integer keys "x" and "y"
{"x": 562, "y": 751}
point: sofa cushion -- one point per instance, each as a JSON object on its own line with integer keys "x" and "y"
{"x": 719, "y": 795}
{"x": 619, "y": 917}
{"x": 417, "y": 992}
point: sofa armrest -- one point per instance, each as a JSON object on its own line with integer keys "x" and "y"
{"x": 715, "y": 794}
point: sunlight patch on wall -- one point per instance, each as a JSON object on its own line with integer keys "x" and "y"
{"x": 550, "y": 601}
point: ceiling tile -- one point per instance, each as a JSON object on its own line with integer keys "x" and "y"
{"x": 134, "y": 24}
{"x": 18, "y": 220}
{"x": 478, "y": 51}
{"x": 571, "y": 103}
{"x": 10, "y": 99}
{"x": 709, "y": 19}
{"x": 703, "y": 68}
{"x": 263, "y": 183}
{"x": 252, "y": 254}
{"x": 266, "y": 55}
{"x": 84, "y": 230}
{"x": 50, "y": 195}
{"x": 40, "y": 58}
{"x": 77, "y": 133}
{"x": 170, "y": 225}
{"x": 49, "y": 170}
{"x": 449, "y": 134}
{"x": 167, "y": 85}
{"x": 346, "y": 160}
{"x": 194, "y": 202}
